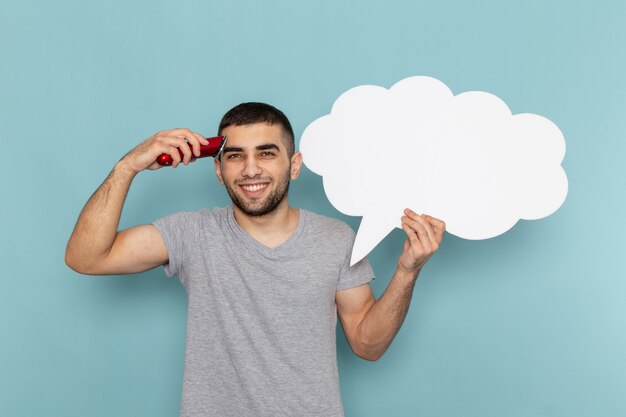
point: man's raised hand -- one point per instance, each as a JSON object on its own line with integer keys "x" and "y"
{"x": 144, "y": 155}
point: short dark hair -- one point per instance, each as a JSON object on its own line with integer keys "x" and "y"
{"x": 251, "y": 113}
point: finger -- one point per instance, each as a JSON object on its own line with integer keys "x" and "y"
{"x": 420, "y": 229}
{"x": 435, "y": 222}
{"x": 194, "y": 144}
{"x": 170, "y": 139}
{"x": 201, "y": 138}
{"x": 178, "y": 133}
{"x": 412, "y": 237}
{"x": 424, "y": 223}
{"x": 434, "y": 237}
{"x": 410, "y": 213}
{"x": 432, "y": 234}
{"x": 184, "y": 145}
{"x": 439, "y": 226}
{"x": 195, "y": 140}
{"x": 173, "y": 152}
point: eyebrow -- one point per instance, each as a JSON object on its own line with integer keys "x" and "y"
{"x": 266, "y": 147}
{"x": 258, "y": 148}
{"x": 231, "y": 149}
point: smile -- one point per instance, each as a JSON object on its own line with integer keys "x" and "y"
{"x": 254, "y": 187}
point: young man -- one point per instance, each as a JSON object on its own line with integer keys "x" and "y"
{"x": 265, "y": 281}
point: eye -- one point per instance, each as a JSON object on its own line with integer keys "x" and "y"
{"x": 267, "y": 154}
{"x": 233, "y": 156}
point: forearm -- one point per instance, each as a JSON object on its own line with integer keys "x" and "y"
{"x": 383, "y": 320}
{"x": 96, "y": 228}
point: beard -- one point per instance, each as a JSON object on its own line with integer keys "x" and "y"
{"x": 261, "y": 207}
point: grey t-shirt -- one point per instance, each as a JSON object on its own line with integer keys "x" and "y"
{"x": 261, "y": 322}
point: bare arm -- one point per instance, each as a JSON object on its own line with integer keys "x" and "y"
{"x": 370, "y": 325}
{"x": 96, "y": 247}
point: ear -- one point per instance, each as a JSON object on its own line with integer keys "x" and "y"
{"x": 296, "y": 165}
{"x": 218, "y": 170}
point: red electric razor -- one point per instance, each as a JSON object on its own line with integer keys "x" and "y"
{"x": 213, "y": 148}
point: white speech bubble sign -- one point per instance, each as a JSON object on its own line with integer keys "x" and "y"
{"x": 464, "y": 159}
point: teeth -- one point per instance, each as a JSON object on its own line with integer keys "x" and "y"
{"x": 253, "y": 188}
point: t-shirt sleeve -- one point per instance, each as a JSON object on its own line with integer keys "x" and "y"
{"x": 173, "y": 230}
{"x": 358, "y": 274}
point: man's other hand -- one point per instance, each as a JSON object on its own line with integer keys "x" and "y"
{"x": 424, "y": 234}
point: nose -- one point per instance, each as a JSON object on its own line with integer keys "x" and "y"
{"x": 251, "y": 168}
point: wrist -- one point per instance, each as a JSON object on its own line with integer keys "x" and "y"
{"x": 123, "y": 168}
{"x": 407, "y": 274}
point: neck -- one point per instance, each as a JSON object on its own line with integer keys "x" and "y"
{"x": 273, "y": 228}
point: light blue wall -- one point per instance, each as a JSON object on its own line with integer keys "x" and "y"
{"x": 532, "y": 323}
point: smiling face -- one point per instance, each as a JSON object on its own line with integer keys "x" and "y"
{"x": 255, "y": 168}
